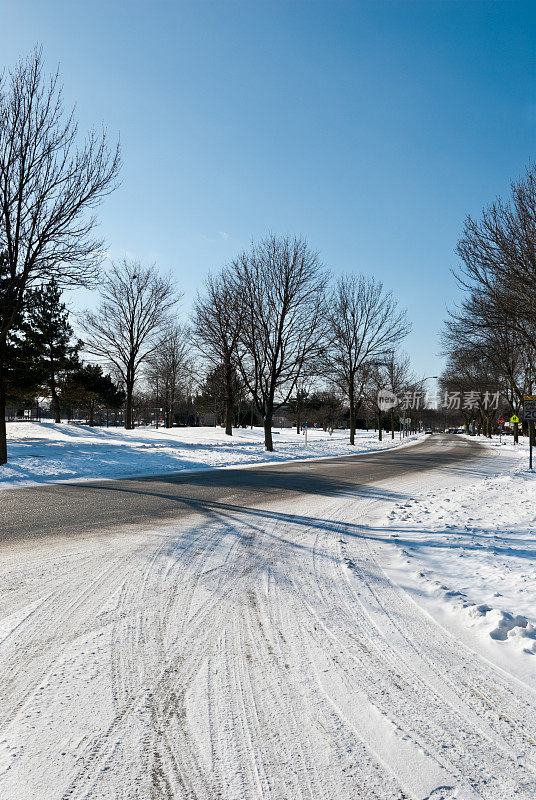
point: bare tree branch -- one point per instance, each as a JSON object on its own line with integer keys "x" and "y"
{"x": 127, "y": 327}
{"x": 218, "y": 318}
{"x": 365, "y": 324}
{"x": 281, "y": 286}
{"x": 49, "y": 180}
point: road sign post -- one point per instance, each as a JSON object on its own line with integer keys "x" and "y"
{"x": 500, "y": 423}
{"x": 514, "y": 419}
{"x": 529, "y": 415}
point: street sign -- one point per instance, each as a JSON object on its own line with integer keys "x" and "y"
{"x": 529, "y": 408}
{"x": 500, "y": 421}
{"x": 514, "y": 419}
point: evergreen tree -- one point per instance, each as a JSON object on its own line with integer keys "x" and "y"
{"x": 46, "y": 352}
{"x": 328, "y": 410}
{"x": 213, "y": 395}
{"x": 90, "y": 389}
{"x": 20, "y": 382}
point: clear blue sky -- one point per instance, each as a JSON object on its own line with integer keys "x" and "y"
{"x": 371, "y": 128}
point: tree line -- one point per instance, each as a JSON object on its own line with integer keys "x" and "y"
{"x": 267, "y": 331}
{"x": 490, "y": 337}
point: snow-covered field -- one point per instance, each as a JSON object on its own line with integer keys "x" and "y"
{"x": 467, "y": 552}
{"x": 46, "y": 453}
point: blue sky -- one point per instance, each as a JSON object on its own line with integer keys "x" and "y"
{"x": 371, "y": 128}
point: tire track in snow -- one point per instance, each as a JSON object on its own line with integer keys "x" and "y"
{"x": 249, "y": 659}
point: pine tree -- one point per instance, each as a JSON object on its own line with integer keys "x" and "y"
{"x": 20, "y": 384}
{"x": 90, "y": 389}
{"x": 47, "y": 353}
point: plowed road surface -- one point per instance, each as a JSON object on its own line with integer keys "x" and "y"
{"x": 232, "y": 635}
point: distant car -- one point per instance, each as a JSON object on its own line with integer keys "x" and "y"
{"x": 428, "y": 430}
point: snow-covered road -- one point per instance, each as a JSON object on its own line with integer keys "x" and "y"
{"x": 261, "y": 653}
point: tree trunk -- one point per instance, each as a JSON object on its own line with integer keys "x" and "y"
{"x": 91, "y": 414}
{"x": 229, "y": 395}
{"x": 268, "y": 441}
{"x": 392, "y": 424}
{"x": 168, "y": 405}
{"x": 3, "y": 431}
{"x": 228, "y": 418}
{"x": 380, "y": 426}
{"x": 55, "y": 403}
{"x": 352, "y": 412}
{"x": 128, "y": 407}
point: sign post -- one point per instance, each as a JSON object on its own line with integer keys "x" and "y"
{"x": 500, "y": 423}
{"x": 404, "y": 425}
{"x": 514, "y": 419}
{"x": 529, "y": 415}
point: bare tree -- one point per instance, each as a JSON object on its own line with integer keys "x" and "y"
{"x": 479, "y": 330}
{"x": 399, "y": 379}
{"x": 281, "y": 285}
{"x": 365, "y": 323}
{"x": 298, "y": 405}
{"x": 169, "y": 369}
{"x": 127, "y": 327}
{"x": 498, "y": 255}
{"x": 494, "y": 328}
{"x": 470, "y": 376}
{"x": 374, "y": 377}
{"x": 48, "y": 183}
{"x": 217, "y": 322}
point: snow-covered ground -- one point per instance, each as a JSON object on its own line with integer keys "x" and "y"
{"x": 467, "y": 552}
{"x": 45, "y": 452}
{"x": 276, "y": 652}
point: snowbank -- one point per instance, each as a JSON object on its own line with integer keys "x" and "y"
{"x": 47, "y": 453}
{"x": 468, "y": 550}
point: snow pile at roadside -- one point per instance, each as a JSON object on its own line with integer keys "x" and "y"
{"x": 472, "y": 547}
{"x": 46, "y": 453}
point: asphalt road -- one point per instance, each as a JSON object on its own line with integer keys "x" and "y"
{"x": 69, "y": 509}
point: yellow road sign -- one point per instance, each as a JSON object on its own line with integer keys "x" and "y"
{"x": 514, "y": 419}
